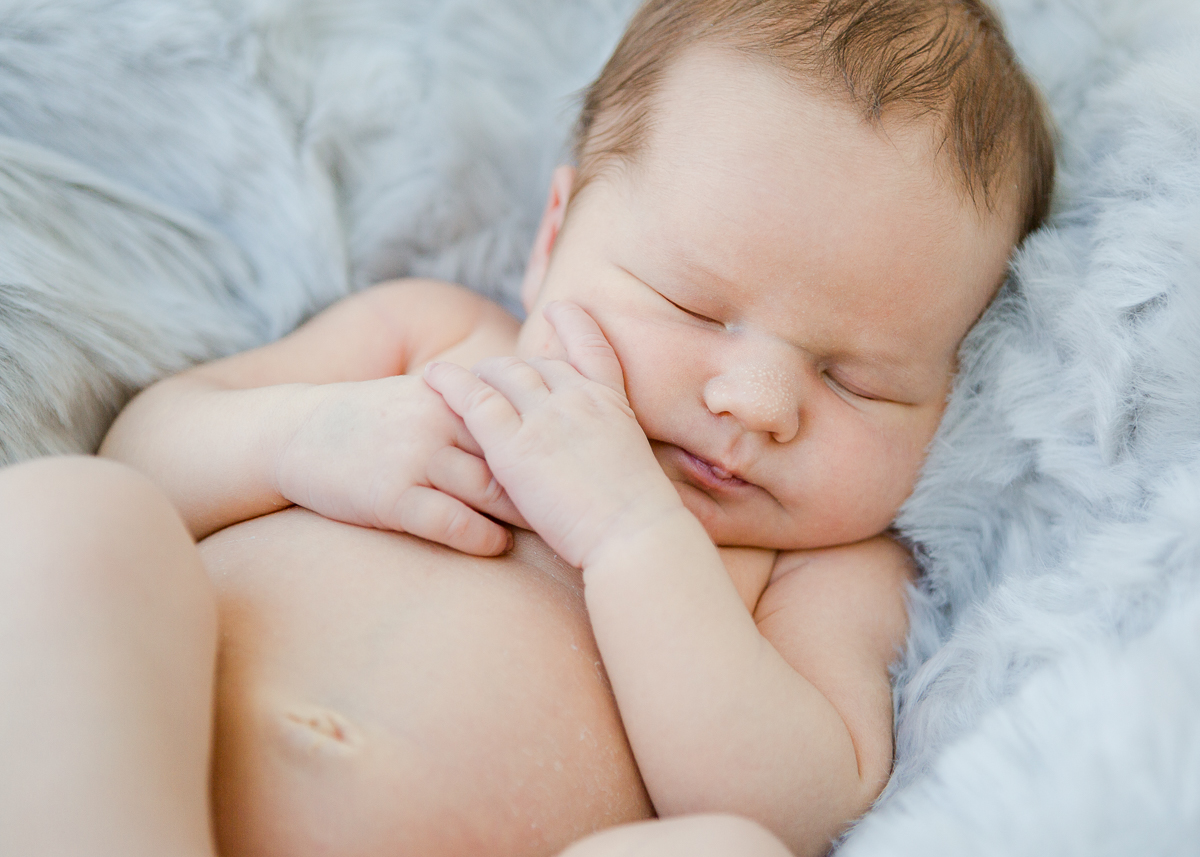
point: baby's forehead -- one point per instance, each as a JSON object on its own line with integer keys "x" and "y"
{"x": 720, "y": 115}
{"x": 979, "y": 113}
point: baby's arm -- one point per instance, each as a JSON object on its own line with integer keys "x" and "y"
{"x": 325, "y": 418}
{"x": 786, "y": 718}
{"x": 786, "y": 721}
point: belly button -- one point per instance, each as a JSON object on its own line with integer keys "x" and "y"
{"x": 315, "y": 731}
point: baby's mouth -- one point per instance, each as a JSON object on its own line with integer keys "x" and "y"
{"x": 710, "y": 475}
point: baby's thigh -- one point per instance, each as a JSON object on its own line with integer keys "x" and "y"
{"x": 99, "y": 564}
{"x": 687, "y": 836}
{"x": 107, "y": 649}
{"x": 89, "y": 540}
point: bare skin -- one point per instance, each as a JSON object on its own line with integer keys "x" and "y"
{"x": 368, "y": 679}
{"x": 509, "y": 636}
{"x": 110, "y": 712}
{"x": 690, "y": 836}
{"x": 290, "y": 583}
{"x": 784, "y": 404}
{"x": 107, "y": 647}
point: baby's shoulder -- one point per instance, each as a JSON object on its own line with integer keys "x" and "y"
{"x": 440, "y": 304}
{"x": 438, "y": 316}
{"x": 409, "y": 292}
{"x": 880, "y": 555}
{"x": 864, "y": 580}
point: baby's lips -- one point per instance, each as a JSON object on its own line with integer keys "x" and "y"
{"x": 720, "y": 472}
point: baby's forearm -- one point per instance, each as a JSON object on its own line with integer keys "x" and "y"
{"x": 718, "y": 720}
{"x": 211, "y": 449}
{"x": 212, "y": 436}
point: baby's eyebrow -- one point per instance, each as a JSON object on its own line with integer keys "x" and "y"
{"x": 676, "y": 251}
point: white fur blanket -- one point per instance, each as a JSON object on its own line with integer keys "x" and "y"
{"x": 183, "y": 178}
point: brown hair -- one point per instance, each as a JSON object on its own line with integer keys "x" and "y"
{"x": 947, "y": 59}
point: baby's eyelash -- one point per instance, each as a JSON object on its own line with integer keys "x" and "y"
{"x": 692, "y": 313}
{"x": 832, "y": 381}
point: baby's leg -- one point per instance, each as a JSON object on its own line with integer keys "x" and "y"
{"x": 686, "y": 836}
{"x": 107, "y": 651}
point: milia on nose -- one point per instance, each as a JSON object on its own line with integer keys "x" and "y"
{"x": 761, "y": 398}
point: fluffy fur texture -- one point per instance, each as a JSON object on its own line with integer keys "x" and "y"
{"x": 179, "y": 180}
{"x": 1053, "y": 517}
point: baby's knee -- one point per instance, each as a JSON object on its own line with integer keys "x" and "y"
{"x": 56, "y": 482}
{"x": 93, "y": 523}
{"x": 46, "y": 498}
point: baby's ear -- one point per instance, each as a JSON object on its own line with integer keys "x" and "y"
{"x": 552, "y": 221}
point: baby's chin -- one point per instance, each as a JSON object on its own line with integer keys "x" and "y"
{"x": 725, "y": 529}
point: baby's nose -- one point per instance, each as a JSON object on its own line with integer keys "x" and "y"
{"x": 761, "y": 398}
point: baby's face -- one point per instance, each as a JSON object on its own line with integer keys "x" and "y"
{"x": 786, "y": 288}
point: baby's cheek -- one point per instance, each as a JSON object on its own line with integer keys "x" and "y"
{"x": 884, "y": 475}
{"x": 537, "y": 338}
{"x": 847, "y": 489}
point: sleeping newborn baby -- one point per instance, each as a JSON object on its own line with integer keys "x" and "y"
{"x": 664, "y": 584}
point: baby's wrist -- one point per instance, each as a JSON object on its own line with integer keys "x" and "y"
{"x": 641, "y": 530}
{"x": 285, "y": 420}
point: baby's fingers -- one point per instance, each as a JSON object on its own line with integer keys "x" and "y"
{"x": 587, "y": 348}
{"x": 490, "y": 417}
{"x": 438, "y": 517}
{"x": 468, "y": 478}
{"x": 515, "y": 379}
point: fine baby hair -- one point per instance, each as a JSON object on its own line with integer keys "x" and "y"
{"x": 912, "y": 59}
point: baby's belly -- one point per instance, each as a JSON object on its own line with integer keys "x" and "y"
{"x": 380, "y": 695}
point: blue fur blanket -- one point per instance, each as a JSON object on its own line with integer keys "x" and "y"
{"x": 179, "y": 180}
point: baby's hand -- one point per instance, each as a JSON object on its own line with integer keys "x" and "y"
{"x": 562, "y": 439}
{"x": 389, "y": 454}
